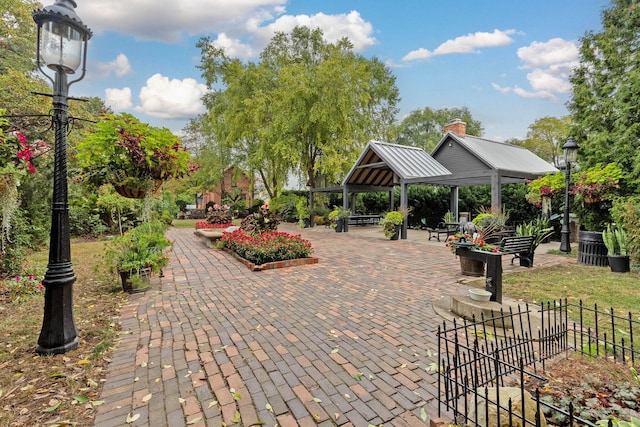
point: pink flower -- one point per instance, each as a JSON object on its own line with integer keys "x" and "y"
{"x": 21, "y": 138}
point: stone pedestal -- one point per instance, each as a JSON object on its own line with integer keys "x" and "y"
{"x": 467, "y": 308}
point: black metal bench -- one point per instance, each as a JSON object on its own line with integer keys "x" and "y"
{"x": 442, "y": 228}
{"x": 518, "y": 246}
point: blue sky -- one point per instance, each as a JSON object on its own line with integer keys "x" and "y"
{"x": 506, "y": 60}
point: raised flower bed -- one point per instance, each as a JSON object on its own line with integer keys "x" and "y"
{"x": 268, "y": 250}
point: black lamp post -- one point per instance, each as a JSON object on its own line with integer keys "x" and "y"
{"x": 570, "y": 149}
{"x": 62, "y": 47}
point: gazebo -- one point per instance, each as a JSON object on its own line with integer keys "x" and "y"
{"x": 458, "y": 160}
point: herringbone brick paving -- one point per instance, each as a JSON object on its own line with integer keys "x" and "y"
{"x": 348, "y": 341}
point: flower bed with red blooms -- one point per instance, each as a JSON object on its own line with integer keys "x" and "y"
{"x": 266, "y": 247}
{"x": 205, "y": 224}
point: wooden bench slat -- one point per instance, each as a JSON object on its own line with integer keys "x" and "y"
{"x": 519, "y": 246}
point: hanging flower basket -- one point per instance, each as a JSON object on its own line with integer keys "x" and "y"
{"x": 137, "y": 193}
{"x": 134, "y": 157}
{"x": 591, "y": 200}
{"x": 130, "y": 193}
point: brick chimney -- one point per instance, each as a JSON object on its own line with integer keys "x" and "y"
{"x": 457, "y": 127}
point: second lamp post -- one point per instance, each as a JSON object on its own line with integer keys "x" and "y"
{"x": 570, "y": 149}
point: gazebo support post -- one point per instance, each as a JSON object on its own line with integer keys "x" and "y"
{"x": 404, "y": 201}
{"x": 312, "y": 223}
{"x": 453, "y": 202}
{"x": 345, "y": 205}
{"x": 496, "y": 191}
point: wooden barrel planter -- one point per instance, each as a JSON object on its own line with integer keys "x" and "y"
{"x": 591, "y": 249}
{"x": 471, "y": 267}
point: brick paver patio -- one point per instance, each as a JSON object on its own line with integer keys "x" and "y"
{"x": 348, "y": 341}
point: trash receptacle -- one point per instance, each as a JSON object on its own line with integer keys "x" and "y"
{"x": 591, "y": 249}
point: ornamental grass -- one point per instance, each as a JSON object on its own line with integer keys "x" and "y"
{"x": 266, "y": 247}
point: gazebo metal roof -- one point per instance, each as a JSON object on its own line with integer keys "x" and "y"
{"x": 385, "y": 165}
{"x": 476, "y": 161}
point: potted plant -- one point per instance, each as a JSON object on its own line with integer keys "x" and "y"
{"x": 540, "y": 230}
{"x": 615, "y": 239}
{"x": 304, "y": 213}
{"x": 392, "y": 221}
{"x": 492, "y": 223}
{"x": 449, "y": 218}
{"x": 594, "y": 190}
{"x": 137, "y": 254}
{"x": 135, "y": 158}
{"x": 338, "y": 216}
{"x": 476, "y": 241}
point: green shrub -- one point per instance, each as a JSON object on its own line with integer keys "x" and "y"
{"x": 626, "y": 213}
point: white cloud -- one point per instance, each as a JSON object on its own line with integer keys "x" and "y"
{"x": 547, "y": 80}
{"x": 245, "y": 27}
{"x": 119, "y": 67}
{"x": 555, "y": 51}
{"x": 464, "y": 44}
{"x": 539, "y": 94}
{"x": 254, "y": 37}
{"x": 551, "y": 64}
{"x": 171, "y": 99}
{"x": 170, "y": 21}
{"x": 118, "y": 99}
{"x": 501, "y": 89}
{"x": 418, "y": 54}
{"x": 234, "y": 48}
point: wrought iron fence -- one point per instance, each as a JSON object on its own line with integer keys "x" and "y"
{"x": 478, "y": 358}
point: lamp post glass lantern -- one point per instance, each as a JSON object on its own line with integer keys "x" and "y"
{"x": 62, "y": 47}
{"x": 570, "y": 149}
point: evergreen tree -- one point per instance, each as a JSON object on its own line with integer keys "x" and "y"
{"x": 606, "y": 88}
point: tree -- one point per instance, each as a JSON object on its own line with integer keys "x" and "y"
{"x": 546, "y": 138}
{"x": 17, "y": 67}
{"x": 17, "y": 35}
{"x": 425, "y": 128}
{"x": 308, "y": 106}
{"x": 606, "y": 88}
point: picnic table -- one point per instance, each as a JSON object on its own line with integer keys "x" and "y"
{"x": 363, "y": 220}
